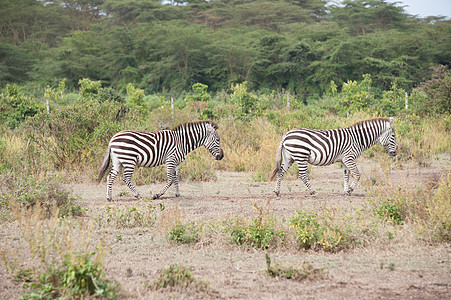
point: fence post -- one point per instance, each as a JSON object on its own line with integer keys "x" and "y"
{"x": 288, "y": 100}
{"x": 172, "y": 108}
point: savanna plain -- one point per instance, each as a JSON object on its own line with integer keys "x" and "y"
{"x": 227, "y": 235}
{"x": 214, "y": 240}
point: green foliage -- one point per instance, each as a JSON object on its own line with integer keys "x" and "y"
{"x": 246, "y": 101}
{"x": 135, "y": 99}
{"x": 308, "y": 229}
{"x": 317, "y": 232}
{"x": 299, "y": 46}
{"x": 80, "y": 275}
{"x": 48, "y": 194}
{"x": 356, "y": 96}
{"x": 257, "y": 233}
{"x": 200, "y": 93}
{"x": 16, "y": 106}
{"x": 71, "y": 135}
{"x": 392, "y": 102}
{"x": 184, "y": 233}
{"x": 389, "y": 211}
{"x": 433, "y": 97}
{"x": 89, "y": 89}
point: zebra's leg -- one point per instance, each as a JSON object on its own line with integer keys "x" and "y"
{"x": 352, "y": 167}
{"x": 110, "y": 178}
{"x": 128, "y": 172}
{"x": 176, "y": 181}
{"x": 346, "y": 178}
{"x": 303, "y": 165}
{"x": 283, "y": 169}
{"x": 171, "y": 173}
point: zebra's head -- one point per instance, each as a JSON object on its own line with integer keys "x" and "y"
{"x": 388, "y": 139}
{"x": 212, "y": 141}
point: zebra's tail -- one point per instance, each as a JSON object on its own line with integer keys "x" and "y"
{"x": 278, "y": 161}
{"x": 105, "y": 164}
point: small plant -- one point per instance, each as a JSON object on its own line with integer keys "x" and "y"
{"x": 178, "y": 278}
{"x": 256, "y": 233}
{"x": 391, "y": 266}
{"x": 308, "y": 230}
{"x": 28, "y": 192}
{"x": 297, "y": 273}
{"x": 184, "y": 233}
{"x": 78, "y": 276}
{"x": 128, "y": 216}
{"x": 321, "y": 233}
{"x": 390, "y": 211}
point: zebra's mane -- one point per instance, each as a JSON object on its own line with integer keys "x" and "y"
{"x": 188, "y": 124}
{"x": 357, "y": 124}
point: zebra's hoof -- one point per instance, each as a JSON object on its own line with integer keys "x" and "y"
{"x": 348, "y": 192}
{"x": 109, "y": 199}
{"x": 155, "y": 197}
{"x": 277, "y": 194}
{"x": 312, "y": 193}
{"x": 177, "y": 194}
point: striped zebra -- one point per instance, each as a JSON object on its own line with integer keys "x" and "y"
{"x": 324, "y": 147}
{"x": 129, "y": 148}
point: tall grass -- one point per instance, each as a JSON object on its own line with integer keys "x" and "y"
{"x": 72, "y": 140}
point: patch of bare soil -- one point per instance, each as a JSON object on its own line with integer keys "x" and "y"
{"x": 402, "y": 269}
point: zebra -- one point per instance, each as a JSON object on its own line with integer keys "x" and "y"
{"x": 130, "y": 148}
{"x": 324, "y": 147}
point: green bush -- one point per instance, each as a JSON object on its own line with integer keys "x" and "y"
{"x": 390, "y": 211}
{"x": 184, "y": 233}
{"x": 79, "y": 276}
{"x": 27, "y": 192}
{"x": 16, "y": 106}
{"x": 178, "y": 278}
{"x": 313, "y": 232}
{"x": 71, "y": 136}
{"x": 257, "y": 233}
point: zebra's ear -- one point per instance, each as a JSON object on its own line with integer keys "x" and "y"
{"x": 214, "y": 125}
{"x": 392, "y": 120}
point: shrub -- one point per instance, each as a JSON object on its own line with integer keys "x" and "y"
{"x": 313, "y": 232}
{"x": 298, "y": 273}
{"x": 433, "y": 97}
{"x": 70, "y": 136}
{"x": 28, "y": 192}
{"x": 178, "y": 278}
{"x": 388, "y": 210}
{"x": 79, "y": 275}
{"x": 308, "y": 229}
{"x": 16, "y": 106}
{"x": 257, "y": 233}
{"x": 184, "y": 233}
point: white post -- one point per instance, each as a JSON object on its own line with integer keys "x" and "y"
{"x": 172, "y": 107}
{"x": 47, "y": 104}
{"x": 288, "y": 100}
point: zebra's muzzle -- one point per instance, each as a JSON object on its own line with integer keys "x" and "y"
{"x": 220, "y": 155}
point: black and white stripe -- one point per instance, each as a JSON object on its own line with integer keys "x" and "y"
{"x": 324, "y": 147}
{"x": 129, "y": 148}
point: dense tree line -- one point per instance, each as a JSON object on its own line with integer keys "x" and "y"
{"x": 296, "y": 45}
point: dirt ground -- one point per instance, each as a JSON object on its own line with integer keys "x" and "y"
{"x": 418, "y": 270}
